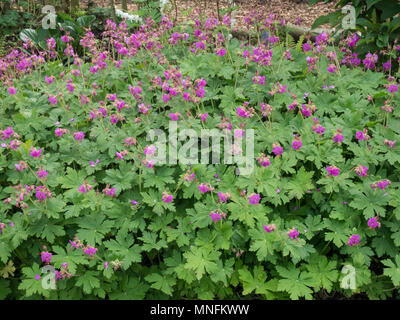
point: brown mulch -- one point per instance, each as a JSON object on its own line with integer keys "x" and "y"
{"x": 289, "y": 10}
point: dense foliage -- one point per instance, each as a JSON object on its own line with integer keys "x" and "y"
{"x": 79, "y": 191}
{"x": 377, "y": 20}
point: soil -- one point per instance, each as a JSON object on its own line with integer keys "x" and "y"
{"x": 293, "y": 11}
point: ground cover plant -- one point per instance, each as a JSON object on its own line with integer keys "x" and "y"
{"x": 84, "y": 201}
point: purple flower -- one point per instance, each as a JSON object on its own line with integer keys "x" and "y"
{"x": 333, "y": 171}
{"x": 90, "y": 251}
{"x": 52, "y": 100}
{"x": 223, "y": 197}
{"x": 338, "y": 138}
{"x": 7, "y": 133}
{"x": 12, "y": 90}
{"x": 167, "y": 198}
{"x": 83, "y": 189}
{"x": 306, "y": 47}
{"x": 37, "y": 277}
{"x": 110, "y": 192}
{"x": 297, "y": 144}
{"x": 79, "y": 135}
{"x": 35, "y": 153}
{"x": 354, "y": 240}
{"x": 393, "y": 88}
{"x": 49, "y": 80}
{"x": 65, "y": 38}
{"x": 46, "y": 256}
{"x": 106, "y": 265}
{"x": 293, "y": 233}
{"x": 277, "y": 150}
{"x": 254, "y": 198}
{"x": 203, "y": 188}
{"x": 387, "y": 65}
{"x": 150, "y": 150}
{"x": 42, "y": 173}
{"x": 360, "y": 135}
{"x": 41, "y": 193}
{"x": 361, "y": 170}
{"x": 269, "y": 228}
{"x": 92, "y": 164}
{"x": 174, "y": 116}
{"x": 215, "y": 216}
{"x": 331, "y": 68}
{"x": 70, "y": 87}
{"x": 221, "y": 52}
{"x": 373, "y": 223}
{"x": 242, "y": 112}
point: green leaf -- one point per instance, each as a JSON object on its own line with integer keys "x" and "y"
{"x": 161, "y": 282}
{"x": 257, "y": 282}
{"x": 124, "y": 249}
{"x": 88, "y": 281}
{"x": 294, "y": 282}
{"x": 300, "y": 184}
{"x": 392, "y": 270}
{"x": 323, "y": 273}
{"x": 201, "y": 260}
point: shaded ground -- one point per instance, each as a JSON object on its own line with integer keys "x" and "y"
{"x": 289, "y": 10}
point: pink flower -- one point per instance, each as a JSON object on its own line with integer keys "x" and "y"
{"x": 92, "y": 164}
{"x": 221, "y": 52}
{"x": 360, "y": 135}
{"x": 12, "y": 90}
{"x": 333, "y": 171}
{"x": 175, "y": 116}
{"x": 90, "y": 251}
{"x": 373, "y": 223}
{"x": 42, "y": 173}
{"x": 205, "y": 187}
{"x": 293, "y": 233}
{"x": 70, "y": 87}
{"x": 254, "y": 198}
{"x": 297, "y": 144}
{"x": 277, "y": 149}
{"x": 150, "y": 150}
{"x": 354, "y": 240}
{"x": 7, "y": 133}
{"x": 109, "y": 191}
{"x": 35, "y": 153}
{"x": 50, "y": 79}
{"x": 216, "y": 216}
{"x": 167, "y": 198}
{"x": 361, "y": 171}
{"x": 263, "y": 160}
{"x": 338, "y": 138}
{"x": 52, "y": 100}
{"x": 306, "y": 47}
{"x": 83, "y": 188}
{"x": 79, "y": 135}
{"x": 65, "y": 38}
{"x": 200, "y": 93}
{"x": 60, "y": 132}
{"x": 390, "y": 143}
{"x": 223, "y": 197}
{"x": 393, "y": 88}
{"x": 166, "y": 98}
{"x": 331, "y": 68}
{"x": 269, "y": 228}
{"x": 41, "y": 193}
{"x": 46, "y": 256}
